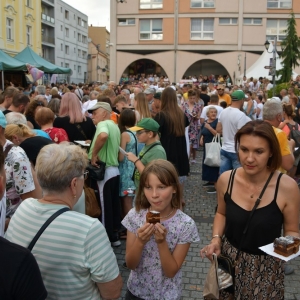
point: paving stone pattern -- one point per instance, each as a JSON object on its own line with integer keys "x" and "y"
{"x": 201, "y": 206}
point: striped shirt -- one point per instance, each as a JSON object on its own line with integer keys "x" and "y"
{"x": 73, "y": 252}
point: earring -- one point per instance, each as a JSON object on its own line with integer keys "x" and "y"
{"x": 74, "y": 196}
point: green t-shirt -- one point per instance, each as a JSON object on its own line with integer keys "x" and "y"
{"x": 110, "y": 150}
{"x": 155, "y": 152}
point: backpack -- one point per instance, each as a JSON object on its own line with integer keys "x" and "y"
{"x": 295, "y": 135}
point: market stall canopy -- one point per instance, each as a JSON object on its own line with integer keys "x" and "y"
{"x": 258, "y": 68}
{"x": 8, "y": 63}
{"x": 30, "y": 57}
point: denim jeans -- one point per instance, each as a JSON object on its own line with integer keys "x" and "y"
{"x": 229, "y": 161}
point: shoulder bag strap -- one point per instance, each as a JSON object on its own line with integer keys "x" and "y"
{"x": 46, "y": 224}
{"x": 251, "y": 214}
{"x": 141, "y": 156}
{"x": 7, "y": 149}
{"x": 136, "y": 150}
{"x": 81, "y": 131}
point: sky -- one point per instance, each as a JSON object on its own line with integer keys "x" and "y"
{"x": 98, "y": 11}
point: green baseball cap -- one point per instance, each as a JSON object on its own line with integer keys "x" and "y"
{"x": 146, "y": 123}
{"x": 238, "y": 95}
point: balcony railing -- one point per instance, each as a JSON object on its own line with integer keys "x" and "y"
{"x": 48, "y": 19}
{"x": 48, "y": 39}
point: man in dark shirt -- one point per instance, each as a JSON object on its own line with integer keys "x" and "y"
{"x": 203, "y": 95}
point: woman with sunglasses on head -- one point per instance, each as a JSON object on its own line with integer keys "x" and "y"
{"x": 255, "y": 203}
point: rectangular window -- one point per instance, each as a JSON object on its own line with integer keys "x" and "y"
{"x": 252, "y": 21}
{"x": 84, "y": 39}
{"x": 28, "y": 3}
{"x": 78, "y": 21}
{"x": 74, "y": 50}
{"x": 151, "y": 4}
{"x": 61, "y": 64}
{"x": 61, "y": 9}
{"x": 279, "y": 4}
{"x": 227, "y": 21}
{"x": 79, "y": 37}
{"x": 84, "y": 24}
{"x": 67, "y": 65}
{"x": 61, "y": 28}
{"x": 9, "y": 29}
{"x": 28, "y": 35}
{"x": 75, "y": 67}
{"x": 66, "y": 15}
{"x": 67, "y": 49}
{"x": 276, "y": 28}
{"x": 126, "y": 21}
{"x": 151, "y": 29}
{"x": 79, "y": 53}
{"x": 79, "y": 69}
{"x": 61, "y": 47}
{"x": 67, "y": 32}
{"x": 202, "y": 29}
{"x": 84, "y": 53}
{"x": 202, "y": 3}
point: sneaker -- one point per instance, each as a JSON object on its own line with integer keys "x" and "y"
{"x": 288, "y": 270}
{"x": 211, "y": 190}
{"x": 207, "y": 184}
{"x": 116, "y": 243}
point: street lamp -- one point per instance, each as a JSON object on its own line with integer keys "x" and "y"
{"x": 273, "y": 67}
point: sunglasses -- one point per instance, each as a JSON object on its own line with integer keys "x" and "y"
{"x": 220, "y": 89}
{"x": 141, "y": 132}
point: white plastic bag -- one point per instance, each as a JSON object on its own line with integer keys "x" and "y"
{"x": 212, "y": 152}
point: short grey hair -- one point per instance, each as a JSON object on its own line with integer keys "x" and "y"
{"x": 41, "y": 89}
{"x": 94, "y": 93}
{"x": 211, "y": 108}
{"x": 271, "y": 109}
{"x": 126, "y": 91}
{"x": 15, "y": 118}
{"x": 57, "y": 165}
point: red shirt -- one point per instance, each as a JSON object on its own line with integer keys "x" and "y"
{"x": 57, "y": 135}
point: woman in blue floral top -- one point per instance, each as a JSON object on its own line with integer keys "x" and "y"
{"x": 155, "y": 252}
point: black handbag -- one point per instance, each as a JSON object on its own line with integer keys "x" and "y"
{"x": 225, "y": 262}
{"x": 96, "y": 173}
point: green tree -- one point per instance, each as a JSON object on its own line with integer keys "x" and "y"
{"x": 291, "y": 53}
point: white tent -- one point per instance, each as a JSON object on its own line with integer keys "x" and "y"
{"x": 258, "y": 68}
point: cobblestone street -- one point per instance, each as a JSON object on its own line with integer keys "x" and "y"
{"x": 200, "y": 206}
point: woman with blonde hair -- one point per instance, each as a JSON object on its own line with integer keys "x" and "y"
{"x": 21, "y": 135}
{"x": 80, "y": 263}
{"x": 73, "y": 121}
{"x": 141, "y": 106}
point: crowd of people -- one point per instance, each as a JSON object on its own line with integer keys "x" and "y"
{"x": 148, "y": 133}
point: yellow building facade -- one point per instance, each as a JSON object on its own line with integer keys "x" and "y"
{"x": 20, "y": 26}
